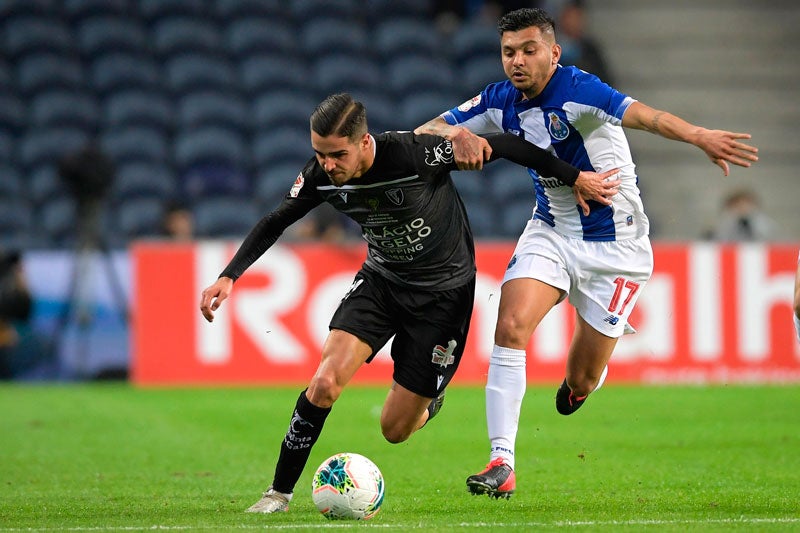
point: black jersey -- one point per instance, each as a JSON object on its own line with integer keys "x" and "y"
{"x": 410, "y": 213}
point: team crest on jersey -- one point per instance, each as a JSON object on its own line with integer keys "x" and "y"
{"x": 557, "y": 128}
{"x": 395, "y": 195}
{"x": 440, "y": 154}
{"x": 298, "y": 184}
{"x": 469, "y": 104}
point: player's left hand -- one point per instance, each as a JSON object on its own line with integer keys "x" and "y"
{"x": 598, "y": 187}
{"x": 724, "y": 147}
{"x": 212, "y": 297}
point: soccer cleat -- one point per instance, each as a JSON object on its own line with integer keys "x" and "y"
{"x": 435, "y": 406}
{"x": 271, "y": 501}
{"x": 496, "y": 480}
{"x": 566, "y": 401}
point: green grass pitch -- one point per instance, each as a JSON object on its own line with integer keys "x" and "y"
{"x": 111, "y": 457}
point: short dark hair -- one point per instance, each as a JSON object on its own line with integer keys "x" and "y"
{"x": 525, "y": 18}
{"x": 340, "y": 114}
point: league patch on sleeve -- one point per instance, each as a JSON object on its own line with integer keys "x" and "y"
{"x": 469, "y": 104}
{"x": 298, "y": 184}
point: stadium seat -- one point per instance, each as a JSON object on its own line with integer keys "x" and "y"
{"x": 224, "y": 217}
{"x": 48, "y": 70}
{"x": 11, "y": 185}
{"x": 135, "y": 143}
{"x": 44, "y": 184}
{"x": 47, "y": 145}
{"x": 379, "y": 10}
{"x": 30, "y": 33}
{"x": 155, "y": 10}
{"x": 210, "y": 144}
{"x": 475, "y": 39}
{"x": 304, "y": 11}
{"x": 406, "y": 35}
{"x": 418, "y": 108}
{"x": 9, "y": 8}
{"x": 57, "y": 221}
{"x": 482, "y": 218}
{"x": 143, "y": 179}
{"x": 336, "y": 73}
{"x": 79, "y": 10}
{"x": 281, "y": 145}
{"x": 477, "y": 72}
{"x": 139, "y": 217}
{"x": 181, "y": 35}
{"x": 102, "y": 34}
{"x": 513, "y": 216}
{"x": 116, "y": 71}
{"x": 274, "y": 182}
{"x": 8, "y": 146}
{"x": 266, "y": 72}
{"x": 209, "y": 108}
{"x": 409, "y": 73}
{"x": 199, "y": 71}
{"x": 64, "y": 108}
{"x": 507, "y": 181}
{"x": 332, "y": 35}
{"x": 12, "y": 112}
{"x": 245, "y": 37}
{"x": 283, "y": 108}
{"x": 382, "y": 113}
{"x": 16, "y": 219}
{"x": 6, "y": 76}
{"x": 138, "y": 107}
{"x": 471, "y": 184}
{"x": 232, "y": 9}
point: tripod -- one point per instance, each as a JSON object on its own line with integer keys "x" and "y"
{"x": 90, "y": 244}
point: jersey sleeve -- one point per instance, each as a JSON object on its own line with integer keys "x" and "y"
{"x": 482, "y": 113}
{"x": 301, "y": 198}
{"x": 605, "y": 102}
{"x": 518, "y": 150}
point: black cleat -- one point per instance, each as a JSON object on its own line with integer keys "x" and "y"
{"x": 497, "y": 480}
{"x": 566, "y": 402}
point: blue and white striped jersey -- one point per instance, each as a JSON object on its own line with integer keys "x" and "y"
{"x": 579, "y": 118}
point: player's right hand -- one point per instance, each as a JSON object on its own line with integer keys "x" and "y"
{"x": 470, "y": 150}
{"x": 212, "y": 297}
{"x": 598, "y": 187}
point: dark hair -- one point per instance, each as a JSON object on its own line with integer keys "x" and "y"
{"x": 525, "y": 18}
{"x": 340, "y": 115}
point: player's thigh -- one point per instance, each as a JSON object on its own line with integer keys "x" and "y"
{"x": 342, "y": 355}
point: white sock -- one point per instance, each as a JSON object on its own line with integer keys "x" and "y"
{"x": 505, "y": 388}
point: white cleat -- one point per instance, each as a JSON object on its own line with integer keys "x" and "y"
{"x": 271, "y": 502}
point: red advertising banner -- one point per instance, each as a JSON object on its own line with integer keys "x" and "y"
{"x": 711, "y": 313}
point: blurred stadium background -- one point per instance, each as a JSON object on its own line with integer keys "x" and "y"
{"x": 207, "y": 101}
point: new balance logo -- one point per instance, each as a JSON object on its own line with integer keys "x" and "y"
{"x": 611, "y": 319}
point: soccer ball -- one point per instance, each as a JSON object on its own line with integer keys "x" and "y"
{"x": 347, "y": 486}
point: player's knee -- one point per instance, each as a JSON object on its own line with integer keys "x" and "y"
{"x": 510, "y": 331}
{"x": 395, "y": 434}
{"x": 324, "y": 390}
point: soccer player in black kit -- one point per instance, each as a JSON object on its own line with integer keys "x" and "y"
{"x": 418, "y": 280}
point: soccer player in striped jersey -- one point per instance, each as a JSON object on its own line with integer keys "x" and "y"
{"x": 599, "y": 257}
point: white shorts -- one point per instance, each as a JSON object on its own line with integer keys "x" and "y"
{"x": 603, "y": 280}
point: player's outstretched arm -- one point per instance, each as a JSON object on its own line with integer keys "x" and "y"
{"x": 469, "y": 150}
{"x": 212, "y": 297}
{"x": 722, "y": 147}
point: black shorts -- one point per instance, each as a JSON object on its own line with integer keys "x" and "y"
{"x": 429, "y": 327}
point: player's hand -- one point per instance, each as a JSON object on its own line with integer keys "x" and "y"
{"x": 598, "y": 187}
{"x": 724, "y": 147}
{"x": 212, "y": 297}
{"x": 470, "y": 150}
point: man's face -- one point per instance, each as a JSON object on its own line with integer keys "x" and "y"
{"x": 341, "y": 159}
{"x": 529, "y": 59}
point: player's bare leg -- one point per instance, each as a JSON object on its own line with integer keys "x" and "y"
{"x": 403, "y": 413}
{"x": 586, "y": 366}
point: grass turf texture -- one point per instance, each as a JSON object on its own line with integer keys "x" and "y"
{"x": 110, "y": 457}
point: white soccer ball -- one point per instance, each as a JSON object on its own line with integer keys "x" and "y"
{"x": 347, "y": 486}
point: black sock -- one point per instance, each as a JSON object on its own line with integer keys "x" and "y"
{"x": 303, "y": 432}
